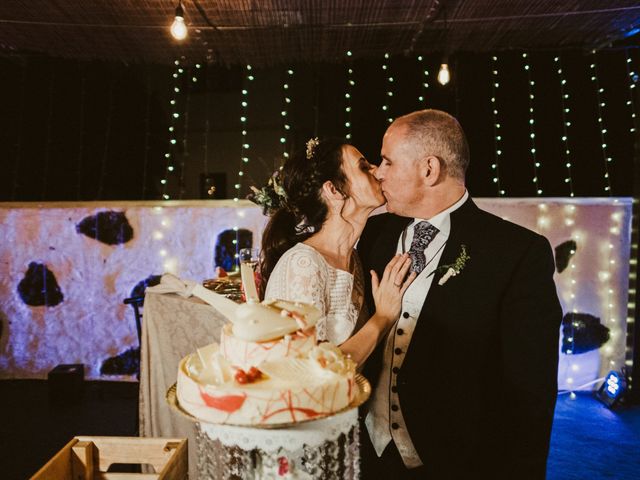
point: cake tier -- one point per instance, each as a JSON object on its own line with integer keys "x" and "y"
{"x": 291, "y": 390}
{"x": 244, "y": 354}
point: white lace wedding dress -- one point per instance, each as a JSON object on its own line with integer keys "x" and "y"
{"x": 302, "y": 274}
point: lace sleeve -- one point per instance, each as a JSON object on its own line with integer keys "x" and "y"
{"x": 301, "y": 276}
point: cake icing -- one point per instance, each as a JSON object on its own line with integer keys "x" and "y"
{"x": 267, "y": 369}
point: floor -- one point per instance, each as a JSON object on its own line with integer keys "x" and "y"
{"x": 589, "y": 441}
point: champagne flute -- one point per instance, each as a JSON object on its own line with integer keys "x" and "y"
{"x": 248, "y": 262}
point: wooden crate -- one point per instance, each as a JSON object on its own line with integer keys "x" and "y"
{"x": 89, "y": 458}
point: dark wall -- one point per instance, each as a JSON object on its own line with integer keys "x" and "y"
{"x": 95, "y": 131}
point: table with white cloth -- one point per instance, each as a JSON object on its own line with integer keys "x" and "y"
{"x": 173, "y": 327}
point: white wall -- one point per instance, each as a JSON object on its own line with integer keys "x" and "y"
{"x": 92, "y": 324}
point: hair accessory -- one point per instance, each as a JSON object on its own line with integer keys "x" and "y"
{"x": 272, "y": 196}
{"x": 311, "y": 145}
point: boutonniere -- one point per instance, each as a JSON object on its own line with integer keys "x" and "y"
{"x": 456, "y": 267}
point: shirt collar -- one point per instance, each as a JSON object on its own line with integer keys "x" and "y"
{"x": 442, "y": 221}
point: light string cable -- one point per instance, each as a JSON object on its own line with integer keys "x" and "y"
{"x": 351, "y": 83}
{"x": 495, "y": 166}
{"x": 389, "y": 92}
{"x": 175, "y": 115}
{"x": 607, "y": 159}
{"x": 286, "y": 98}
{"x": 532, "y": 132}
{"x": 245, "y": 146}
{"x": 564, "y": 103}
{"x": 424, "y": 87}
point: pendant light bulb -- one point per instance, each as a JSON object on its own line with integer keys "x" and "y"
{"x": 178, "y": 27}
{"x": 443, "y": 74}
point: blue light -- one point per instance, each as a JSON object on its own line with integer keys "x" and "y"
{"x": 612, "y": 388}
{"x": 613, "y": 385}
{"x": 632, "y": 32}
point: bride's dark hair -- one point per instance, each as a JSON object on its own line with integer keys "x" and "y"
{"x": 303, "y": 212}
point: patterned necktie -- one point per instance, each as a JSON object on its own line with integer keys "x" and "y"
{"x": 423, "y": 233}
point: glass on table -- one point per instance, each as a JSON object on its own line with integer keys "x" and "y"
{"x": 249, "y": 256}
{"x": 248, "y": 260}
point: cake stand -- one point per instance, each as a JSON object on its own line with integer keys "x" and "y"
{"x": 322, "y": 448}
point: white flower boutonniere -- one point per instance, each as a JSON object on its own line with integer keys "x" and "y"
{"x": 456, "y": 267}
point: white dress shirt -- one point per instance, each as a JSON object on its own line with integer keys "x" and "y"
{"x": 384, "y": 420}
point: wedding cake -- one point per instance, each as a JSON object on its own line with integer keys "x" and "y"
{"x": 267, "y": 369}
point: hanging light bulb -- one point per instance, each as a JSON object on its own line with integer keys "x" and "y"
{"x": 443, "y": 74}
{"x": 178, "y": 27}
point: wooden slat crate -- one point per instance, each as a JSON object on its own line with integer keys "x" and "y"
{"x": 89, "y": 458}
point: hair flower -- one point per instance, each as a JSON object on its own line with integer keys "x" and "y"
{"x": 271, "y": 197}
{"x": 311, "y": 145}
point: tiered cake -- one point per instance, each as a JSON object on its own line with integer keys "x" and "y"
{"x": 267, "y": 368}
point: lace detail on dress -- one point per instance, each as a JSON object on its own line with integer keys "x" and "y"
{"x": 303, "y": 275}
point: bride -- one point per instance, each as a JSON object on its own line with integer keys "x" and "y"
{"x": 319, "y": 202}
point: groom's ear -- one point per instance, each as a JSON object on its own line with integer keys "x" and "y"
{"x": 431, "y": 169}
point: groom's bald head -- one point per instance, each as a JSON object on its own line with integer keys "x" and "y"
{"x": 434, "y": 132}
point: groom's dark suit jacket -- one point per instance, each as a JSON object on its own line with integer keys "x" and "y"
{"x": 478, "y": 384}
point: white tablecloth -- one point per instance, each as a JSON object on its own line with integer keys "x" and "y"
{"x": 172, "y": 327}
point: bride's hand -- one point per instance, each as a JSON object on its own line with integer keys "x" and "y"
{"x": 388, "y": 291}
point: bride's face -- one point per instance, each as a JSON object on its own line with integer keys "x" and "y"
{"x": 364, "y": 188}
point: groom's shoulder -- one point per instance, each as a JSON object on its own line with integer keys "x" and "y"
{"x": 506, "y": 229}
{"x": 378, "y": 225}
{"x": 384, "y": 221}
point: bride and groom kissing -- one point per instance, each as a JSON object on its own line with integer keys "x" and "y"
{"x": 450, "y": 312}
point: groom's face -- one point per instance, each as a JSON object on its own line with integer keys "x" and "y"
{"x": 398, "y": 173}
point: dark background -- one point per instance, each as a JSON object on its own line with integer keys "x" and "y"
{"x": 72, "y": 130}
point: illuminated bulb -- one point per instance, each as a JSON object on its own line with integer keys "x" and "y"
{"x": 443, "y": 74}
{"x": 543, "y": 222}
{"x": 178, "y": 27}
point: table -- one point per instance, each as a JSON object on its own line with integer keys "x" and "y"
{"x": 172, "y": 327}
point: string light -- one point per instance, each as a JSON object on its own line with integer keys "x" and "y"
{"x": 184, "y": 154}
{"x": 286, "y": 96}
{"x": 570, "y": 286}
{"x": 389, "y": 92}
{"x": 564, "y": 103}
{"x": 495, "y": 166}
{"x": 532, "y": 133}
{"x": 632, "y": 77}
{"x": 603, "y": 131}
{"x": 607, "y": 292}
{"x": 173, "y": 117}
{"x": 245, "y": 146}
{"x": 178, "y": 27}
{"x": 425, "y": 82}
{"x": 348, "y": 94}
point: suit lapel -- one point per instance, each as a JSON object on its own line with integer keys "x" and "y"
{"x": 387, "y": 242}
{"x": 458, "y": 235}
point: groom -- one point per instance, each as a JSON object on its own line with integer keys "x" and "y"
{"x": 465, "y": 382}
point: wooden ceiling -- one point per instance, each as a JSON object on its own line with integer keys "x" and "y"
{"x": 272, "y": 32}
